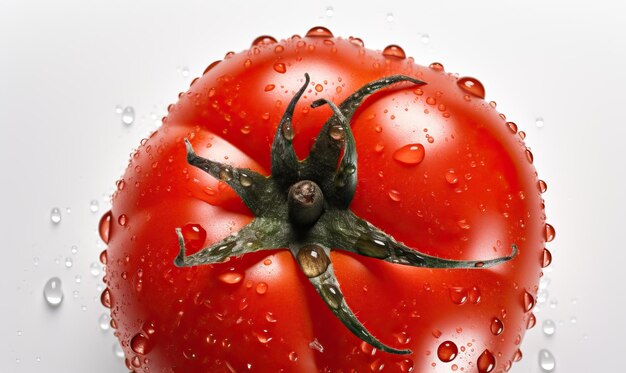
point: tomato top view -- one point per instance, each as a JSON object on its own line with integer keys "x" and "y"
{"x": 312, "y": 205}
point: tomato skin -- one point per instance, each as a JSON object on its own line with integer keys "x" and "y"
{"x": 472, "y": 196}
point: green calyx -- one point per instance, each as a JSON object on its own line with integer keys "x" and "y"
{"x": 304, "y": 206}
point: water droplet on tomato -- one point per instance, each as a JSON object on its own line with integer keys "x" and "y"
{"x": 122, "y": 220}
{"x": 546, "y": 258}
{"x": 128, "y": 115}
{"x": 263, "y": 40}
{"x": 496, "y": 326}
{"x": 280, "y": 67}
{"x": 140, "y": 344}
{"x": 474, "y": 295}
{"x": 512, "y": 127}
{"x": 436, "y": 66}
{"x": 547, "y": 362}
{"x": 458, "y": 294}
{"x": 532, "y": 320}
{"x": 472, "y": 86}
{"x": 410, "y": 154}
{"x": 529, "y": 301}
{"x": 543, "y": 187}
{"x": 313, "y": 260}
{"x": 319, "y": 87}
{"x": 356, "y": 41}
{"x": 451, "y": 177}
{"x": 105, "y": 298}
{"x": 55, "y": 215}
{"x": 447, "y": 351}
{"x": 486, "y": 362}
{"x": 230, "y": 277}
{"x": 52, "y": 292}
{"x": 261, "y": 288}
{"x": 529, "y": 155}
{"x": 103, "y": 257}
{"x": 550, "y": 233}
{"x": 548, "y": 327}
{"x": 293, "y": 356}
{"x": 319, "y": 31}
{"x": 194, "y": 236}
{"x": 394, "y": 51}
{"x": 394, "y": 195}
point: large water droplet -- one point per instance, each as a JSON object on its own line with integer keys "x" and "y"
{"x": 472, "y": 86}
{"x": 496, "y": 326}
{"x": 486, "y": 362}
{"x": 548, "y": 327}
{"x": 230, "y": 277}
{"x": 194, "y": 236}
{"x": 547, "y": 363}
{"x": 313, "y": 260}
{"x": 447, "y": 351}
{"x": 458, "y": 294}
{"x": 550, "y": 233}
{"x": 104, "y": 227}
{"x": 394, "y": 51}
{"x": 140, "y": 344}
{"x": 451, "y": 177}
{"x": 128, "y": 115}
{"x": 52, "y": 292}
{"x": 263, "y": 40}
{"x": 55, "y": 215}
{"x": 331, "y": 295}
{"x": 394, "y": 195}
{"x": 410, "y": 154}
{"x": 105, "y": 298}
{"x": 319, "y": 31}
{"x": 547, "y": 258}
{"x": 542, "y": 185}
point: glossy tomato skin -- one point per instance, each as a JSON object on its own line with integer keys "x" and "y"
{"x": 472, "y": 196}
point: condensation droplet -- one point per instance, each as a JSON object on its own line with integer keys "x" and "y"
{"x": 458, "y": 294}
{"x": 389, "y": 17}
{"x": 319, "y": 31}
{"x": 394, "y": 195}
{"x": 104, "y": 321}
{"x": 140, "y": 344}
{"x": 330, "y": 12}
{"x": 550, "y": 233}
{"x": 94, "y": 205}
{"x": 539, "y": 122}
{"x": 55, "y": 215}
{"x": 547, "y": 363}
{"x": 280, "y": 67}
{"x": 497, "y": 327}
{"x": 128, "y": 115}
{"x": 548, "y": 327}
{"x": 230, "y": 277}
{"x": 447, "y": 351}
{"x": 410, "y": 154}
{"x": 472, "y": 86}
{"x": 486, "y": 362}
{"x": 261, "y": 288}
{"x": 547, "y": 258}
{"x": 52, "y": 292}
{"x": 394, "y": 51}
{"x": 69, "y": 262}
{"x": 104, "y": 227}
{"x": 117, "y": 350}
{"x": 94, "y": 269}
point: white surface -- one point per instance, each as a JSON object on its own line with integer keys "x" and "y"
{"x": 65, "y": 65}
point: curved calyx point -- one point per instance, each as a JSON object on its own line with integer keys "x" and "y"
{"x": 304, "y": 206}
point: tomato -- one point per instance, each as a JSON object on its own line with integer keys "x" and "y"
{"x": 212, "y": 265}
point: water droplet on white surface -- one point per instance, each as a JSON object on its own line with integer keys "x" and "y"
{"x": 94, "y": 269}
{"x": 546, "y": 360}
{"x": 19, "y": 333}
{"x": 573, "y": 320}
{"x": 94, "y": 205}
{"x": 36, "y": 261}
{"x": 117, "y": 350}
{"x": 548, "y": 327}
{"x": 389, "y": 17}
{"x": 330, "y": 12}
{"x": 55, "y": 215}
{"x": 542, "y": 296}
{"x": 184, "y": 71}
{"x": 553, "y": 303}
{"x": 425, "y": 38}
{"x": 52, "y": 292}
{"x": 128, "y": 115}
{"x": 118, "y": 109}
{"x": 75, "y": 294}
{"x": 74, "y": 249}
{"x": 539, "y": 122}
{"x": 104, "y": 322}
{"x": 68, "y": 210}
{"x": 78, "y": 279}
{"x": 69, "y": 262}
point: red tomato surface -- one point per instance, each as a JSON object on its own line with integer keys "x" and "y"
{"x": 474, "y": 194}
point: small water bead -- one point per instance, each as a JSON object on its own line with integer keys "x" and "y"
{"x": 226, "y": 174}
{"x": 394, "y": 195}
{"x": 458, "y": 294}
{"x": 105, "y": 298}
{"x": 337, "y": 133}
{"x": 486, "y": 362}
{"x": 263, "y": 40}
{"x": 94, "y": 269}
{"x": 55, "y": 215}
{"x": 539, "y": 122}
{"x": 261, "y": 288}
{"x": 193, "y": 235}
{"x": 94, "y": 205}
{"x": 529, "y": 155}
{"x": 522, "y": 135}
{"x": 36, "y": 261}
{"x": 245, "y": 180}
{"x": 74, "y": 249}
{"x": 532, "y": 320}
{"x": 389, "y": 17}
{"x": 331, "y": 295}
{"x": 128, "y": 115}
{"x": 316, "y": 345}
{"x": 550, "y": 233}
{"x": 411, "y": 154}
{"x": 319, "y": 31}
{"x": 117, "y": 350}
{"x": 394, "y": 51}
{"x": 529, "y": 301}
{"x": 549, "y": 327}
{"x": 447, "y": 351}
{"x": 78, "y": 279}
{"x": 451, "y": 177}
{"x": 436, "y": 66}
{"x": 542, "y": 296}
{"x": 543, "y": 186}
{"x": 118, "y": 109}
{"x": 69, "y": 262}
{"x": 313, "y": 260}
{"x": 52, "y": 292}
{"x": 280, "y": 67}
{"x": 140, "y": 344}
{"x": 547, "y": 363}
{"x": 104, "y": 227}
{"x": 230, "y": 278}
{"x": 425, "y": 38}
{"x": 104, "y": 322}
{"x": 293, "y": 356}
{"x": 472, "y": 86}
{"x": 122, "y": 220}
{"x": 546, "y": 258}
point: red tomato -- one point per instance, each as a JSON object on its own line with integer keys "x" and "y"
{"x": 438, "y": 169}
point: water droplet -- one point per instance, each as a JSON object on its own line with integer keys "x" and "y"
{"x": 474, "y": 295}
{"x": 425, "y": 38}
{"x": 548, "y": 327}
{"x": 447, "y": 351}
{"x": 280, "y": 67}
{"x": 319, "y": 88}
{"x": 337, "y": 133}
{"x": 539, "y": 122}
{"x": 261, "y": 288}
{"x": 69, "y": 262}
{"x": 104, "y": 321}
{"x": 263, "y": 40}
{"x": 122, "y": 220}
{"x": 394, "y": 195}
{"x": 128, "y": 115}
{"x": 410, "y": 154}
{"x": 331, "y": 295}
{"x": 529, "y": 155}
{"x": 529, "y": 301}
{"x": 94, "y": 205}
{"x": 497, "y": 327}
{"x": 140, "y": 344}
{"x": 532, "y": 320}
{"x": 451, "y": 177}
{"x": 319, "y": 31}
{"x": 52, "y": 292}
{"x": 117, "y": 350}
{"x": 389, "y": 17}
{"x": 486, "y": 362}
{"x": 194, "y": 236}
{"x": 547, "y": 258}
{"x": 547, "y": 363}
{"x": 550, "y": 233}
{"x": 230, "y": 277}
{"x": 118, "y": 109}
{"x": 372, "y": 245}
{"x": 512, "y": 127}
{"x": 226, "y": 173}
{"x": 55, "y": 215}
{"x": 74, "y": 249}
{"x": 329, "y": 13}
{"x": 104, "y": 227}
{"x": 105, "y": 298}
{"x": 472, "y": 86}
{"x": 543, "y": 187}
{"x": 458, "y": 294}
{"x": 293, "y": 356}
{"x": 394, "y": 51}
{"x": 103, "y": 257}
{"x": 522, "y": 135}
{"x": 313, "y": 260}
{"x": 436, "y": 66}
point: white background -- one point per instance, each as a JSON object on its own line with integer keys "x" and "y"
{"x": 65, "y": 65}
